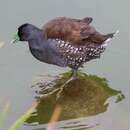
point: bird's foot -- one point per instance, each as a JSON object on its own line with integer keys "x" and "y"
{"x": 63, "y": 86}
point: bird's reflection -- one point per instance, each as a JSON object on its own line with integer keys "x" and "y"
{"x": 83, "y": 97}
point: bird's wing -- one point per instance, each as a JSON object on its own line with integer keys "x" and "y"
{"x": 67, "y": 29}
{"x": 59, "y": 28}
{"x": 75, "y": 31}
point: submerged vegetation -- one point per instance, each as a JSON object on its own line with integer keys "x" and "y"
{"x": 85, "y": 96}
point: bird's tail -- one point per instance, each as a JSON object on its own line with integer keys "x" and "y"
{"x": 109, "y": 36}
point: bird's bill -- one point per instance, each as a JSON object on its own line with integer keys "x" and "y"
{"x": 15, "y": 38}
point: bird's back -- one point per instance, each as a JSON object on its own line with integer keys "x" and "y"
{"x": 76, "y": 31}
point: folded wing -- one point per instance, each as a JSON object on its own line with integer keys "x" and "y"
{"x": 76, "y": 31}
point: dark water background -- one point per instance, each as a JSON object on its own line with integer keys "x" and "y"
{"x": 18, "y": 68}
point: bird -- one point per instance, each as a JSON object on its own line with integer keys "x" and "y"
{"x": 65, "y": 42}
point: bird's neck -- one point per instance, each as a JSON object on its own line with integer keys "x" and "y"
{"x": 38, "y": 42}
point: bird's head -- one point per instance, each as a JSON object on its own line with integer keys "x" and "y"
{"x": 25, "y": 32}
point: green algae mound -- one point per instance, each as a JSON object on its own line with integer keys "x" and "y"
{"x": 85, "y": 96}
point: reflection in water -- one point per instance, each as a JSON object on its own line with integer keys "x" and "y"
{"x": 85, "y": 96}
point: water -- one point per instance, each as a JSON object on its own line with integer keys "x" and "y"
{"x": 18, "y": 68}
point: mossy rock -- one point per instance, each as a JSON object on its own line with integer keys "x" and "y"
{"x": 85, "y": 96}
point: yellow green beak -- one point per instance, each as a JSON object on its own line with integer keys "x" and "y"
{"x": 15, "y": 38}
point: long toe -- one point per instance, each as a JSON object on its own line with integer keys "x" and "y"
{"x": 64, "y": 85}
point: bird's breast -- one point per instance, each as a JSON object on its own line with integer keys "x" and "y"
{"x": 48, "y": 55}
{"x": 38, "y": 54}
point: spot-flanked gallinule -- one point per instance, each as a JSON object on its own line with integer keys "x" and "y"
{"x": 65, "y": 42}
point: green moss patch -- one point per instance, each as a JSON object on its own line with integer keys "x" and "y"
{"x": 85, "y": 96}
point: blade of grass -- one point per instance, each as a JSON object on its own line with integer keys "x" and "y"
{"x": 3, "y": 114}
{"x": 17, "y": 124}
{"x": 54, "y": 118}
{"x": 1, "y": 44}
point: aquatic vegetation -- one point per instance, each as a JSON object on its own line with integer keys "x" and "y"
{"x": 83, "y": 97}
{"x": 1, "y": 44}
{"x": 3, "y": 114}
{"x": 20, "y": 121}
{"x": 54, "y": 118}
{"x": 23, "y": 118}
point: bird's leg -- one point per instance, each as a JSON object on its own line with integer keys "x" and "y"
{"x": 73, "y": 77}
{"x": 74, "y": 74}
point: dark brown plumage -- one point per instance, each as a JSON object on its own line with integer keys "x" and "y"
{"x": 76, "y": 31}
